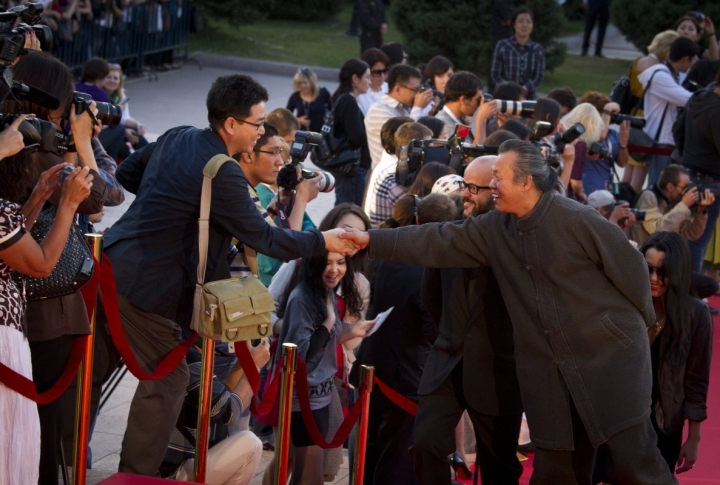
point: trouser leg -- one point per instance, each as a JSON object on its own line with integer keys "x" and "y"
{"x": 590, "y": 16}
{"x": 156, "y": 404}
{"x": 434, "y": 434}
{"x": 49, "y": 359}
{"x": 497, "y": 439}
{"x": 603, "y": 19}
{"x": 394, "y": 438}
{"x": 551, "y": 467}
{"x": 233, "y": 461}
{"x": 633, "y": 457}
{"x": 655, "y": 164}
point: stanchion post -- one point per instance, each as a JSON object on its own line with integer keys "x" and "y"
{"x": 287, "y": 376}
{"x": 205, "y": 406}
{"x": 367, "y": 374}
{"x": 84, "y": 383}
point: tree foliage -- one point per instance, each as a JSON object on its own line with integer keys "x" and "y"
{"x": 314, "y": 10}
{"x": 236, "y": 12}
{"x": 641, "y": 20}
{"x": 460, "y": 30}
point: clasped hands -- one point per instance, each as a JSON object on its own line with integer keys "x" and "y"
{"x": 346, "y": 241}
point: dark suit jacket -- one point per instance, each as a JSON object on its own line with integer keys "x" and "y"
{"x": 400, "y": 347}
{"x": 475, "y": 326}
{"x": 154, "y": 245}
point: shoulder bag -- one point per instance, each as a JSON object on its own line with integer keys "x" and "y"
{"x": 73, "y": 270}
{"x": 232, "y": 309}
{"x": 638, "y": 137}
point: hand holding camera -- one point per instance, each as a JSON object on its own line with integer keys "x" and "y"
{"x": 82, "y": 124}
{"x": 423, "y": 98}
{"x": 11, "y": 140}
{"x": 260, "y": 353}
{"x": 706, "y": 199}
{"x": 690, "y": 196}
{"x": 76, "y": 187}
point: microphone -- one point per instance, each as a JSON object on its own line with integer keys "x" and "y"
{"x": 36, "y": 96}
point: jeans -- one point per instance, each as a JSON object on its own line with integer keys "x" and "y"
{"x": 351, "y": 189}
{"x": 655, "y": 165}
{"x": 699, "y": 246}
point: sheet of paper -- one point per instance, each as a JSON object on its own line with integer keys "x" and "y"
{"x": 379, "y": 319}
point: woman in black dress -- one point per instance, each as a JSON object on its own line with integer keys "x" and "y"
{"x": 309, "y": 102}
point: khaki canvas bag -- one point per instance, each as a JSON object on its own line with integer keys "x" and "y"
{"x": 232, "y": 309}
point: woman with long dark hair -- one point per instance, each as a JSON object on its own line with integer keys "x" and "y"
{"x": 349, "y": 122}
{"x": 681, "y": 348}
{"x": 438, "y": 71}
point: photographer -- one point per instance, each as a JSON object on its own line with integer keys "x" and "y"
{"x": 463, "y": 97}
{"x": 673, "y": 204}
{"x": 616, "y": 212}
{"x": 700, "y": 149}
{"x": 154, "y": 248}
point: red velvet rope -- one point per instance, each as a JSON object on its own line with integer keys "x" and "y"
{"x": 24, "y": 386}
{"x": 303, "y": 393}
{"x": 253, "y": 377}
{"x": 650, "y": 150}
{"x": 397, "y": 399}
{"x": 109, "y": 294}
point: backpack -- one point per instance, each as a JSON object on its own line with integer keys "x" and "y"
{"x": 335, "y": 154}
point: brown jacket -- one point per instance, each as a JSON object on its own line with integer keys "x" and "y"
{"x": 662, "y": 216}
{"x": 579, "y": 299}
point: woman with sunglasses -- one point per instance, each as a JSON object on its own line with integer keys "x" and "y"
{"x": 309, "y": 102}
{"x": 379, "y": 64}
{"x": 681, "y": 348}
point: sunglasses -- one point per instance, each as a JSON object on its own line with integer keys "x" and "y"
{"x": 659, "y": 272}
{"x": 379, "y": 72}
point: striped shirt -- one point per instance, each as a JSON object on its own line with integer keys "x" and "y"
{"x": 381, "y": 111}
{"x": 522, "y": 64}
{"x": 239, "y": 266}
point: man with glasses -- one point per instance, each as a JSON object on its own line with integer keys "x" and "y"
{"x": 672, "y": 204}
{"x": 154, "y": 248}
{"x": 404, "y": 98}
{"x": 471, "y": 367}
{"x": 463, "y": 96}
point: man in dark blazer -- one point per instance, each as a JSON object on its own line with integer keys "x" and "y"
{"x": 154, "y": 249}
{"x": 471, "y": 366}
{"x": 579, "y": 298}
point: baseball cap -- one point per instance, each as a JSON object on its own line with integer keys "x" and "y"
{"x": 447, "y": 184}
{"x": 600, "y": 198}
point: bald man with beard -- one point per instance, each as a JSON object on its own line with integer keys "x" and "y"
{"x": 471, "y": 365}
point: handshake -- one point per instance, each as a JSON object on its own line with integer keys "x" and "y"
{"x": 346, "y": 241}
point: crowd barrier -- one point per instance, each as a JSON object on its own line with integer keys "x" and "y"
{"x": 150, "y": 28}
{"x": 290, "y": 373}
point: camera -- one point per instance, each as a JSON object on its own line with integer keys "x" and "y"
{"x": 38, "y": 134}
{"x": 571, "y": 134}
{"x": 597, "y": 148}
{"x": 639, "y": 214}
{"x": 12, "y": 41}
{"x": 426, "y": 85}
{"x": 540, "y": 129}
{"x": 66, "y": 170}
{"x": 523, "y": 108}
{"x": 635, "y": 121}
{"x": 299, "y": 149}
{"x": 109, "y": 114}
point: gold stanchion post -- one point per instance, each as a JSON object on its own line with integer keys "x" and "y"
{"x": 84, "y": 384}
{"x": 202, "y": 440}
{"x": 287, "y": 376}
{"x": 367, "y": 373}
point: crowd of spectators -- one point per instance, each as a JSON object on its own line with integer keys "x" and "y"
{"x": 467, "y": 303}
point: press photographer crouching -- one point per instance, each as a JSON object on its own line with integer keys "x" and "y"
{"x": 54, "y": 322}
{"x": 617, "y": 212}
{"x": 673, "y": 204}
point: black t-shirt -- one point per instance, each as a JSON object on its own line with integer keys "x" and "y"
{"x": 315, "y": 110}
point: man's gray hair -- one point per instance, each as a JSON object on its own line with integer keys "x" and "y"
{"x": 530, "y": 161}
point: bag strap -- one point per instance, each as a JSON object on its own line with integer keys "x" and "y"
{"x": 662, "y": 120}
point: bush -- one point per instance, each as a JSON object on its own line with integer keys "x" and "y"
{"x": 641, "y": 20}
{"x": 305, "y": 9}
{"x": 459, "y": 30}
{"x": 234, "y": 11}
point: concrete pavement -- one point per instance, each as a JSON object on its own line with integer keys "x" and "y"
{"x": 615, "y": 46}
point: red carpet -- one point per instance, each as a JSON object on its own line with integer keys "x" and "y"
{"x": 707, "y": 468}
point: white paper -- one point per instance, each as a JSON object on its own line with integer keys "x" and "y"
{"x": 379, "y": 319}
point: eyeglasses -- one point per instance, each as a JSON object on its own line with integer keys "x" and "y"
{"x": 379, "y": 72}
{"x": 257, "y": 125}
{"x": 414, "y": 90}
{"x": 659, "y": 272}
{"x": 472, "y": 188}
{"x": 275, "y": 151}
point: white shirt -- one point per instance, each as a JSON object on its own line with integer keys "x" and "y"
{"x": 664, "y": 91}
{"x": 371, "y": 97}
{"x": 387, "y": 166}
{"x": 388, "y": 107}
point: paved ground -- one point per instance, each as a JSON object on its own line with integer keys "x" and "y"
{"x": 615, "y": 46}
{"x": 178, "y": 98}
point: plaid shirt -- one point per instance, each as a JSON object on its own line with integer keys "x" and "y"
{"x": 522, "y": 64}
{"x": 115, "y": 194}
{"x": 387, "y": 196}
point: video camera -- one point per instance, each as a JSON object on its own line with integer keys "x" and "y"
{"x": 452, "y": 152}
{"x": 299, "y": 149}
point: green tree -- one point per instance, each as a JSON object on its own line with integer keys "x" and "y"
{"x": 305, "y": 9}
{"x": 460, "y": 30}
{"x": 235, "y": 12}
{"x": 641, "y": 20}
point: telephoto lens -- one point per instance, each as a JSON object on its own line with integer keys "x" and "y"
{"x": 327, "y": 181}
{"x": 523, "y": 108}
{"x": 635, "y": 121}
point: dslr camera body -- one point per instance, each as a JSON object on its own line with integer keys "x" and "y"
{"x": 299, "y": 149}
